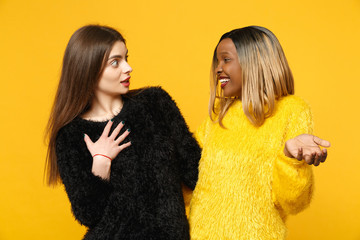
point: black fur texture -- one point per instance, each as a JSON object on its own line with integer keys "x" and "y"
{"x": 143, "y": 199}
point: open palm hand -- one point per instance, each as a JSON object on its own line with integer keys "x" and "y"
{"x": 307, "y": 147}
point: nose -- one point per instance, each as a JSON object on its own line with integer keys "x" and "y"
{"x": 218, "y": 69}
{"x": 127, "y": 68}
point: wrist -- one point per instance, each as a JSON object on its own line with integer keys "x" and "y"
{"x": 102, "y": 155}
{"x": 287, "y": 153}
{"x": 100, "y": 162}
{"x": 101, "y": 166}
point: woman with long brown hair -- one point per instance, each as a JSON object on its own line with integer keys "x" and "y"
{"x": 121, "y": 184}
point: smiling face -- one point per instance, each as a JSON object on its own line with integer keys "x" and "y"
{"x": 115, "y": 79}
{"x": 228, "y": 70}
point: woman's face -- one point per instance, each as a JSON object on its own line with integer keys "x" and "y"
{"x": 228, "y": 70}
{"x": 115, "y": 79}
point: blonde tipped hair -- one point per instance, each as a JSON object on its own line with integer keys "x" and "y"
{"x": 266, "y": 75}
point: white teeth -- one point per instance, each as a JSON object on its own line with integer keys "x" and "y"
{"x": 224, "y": 80}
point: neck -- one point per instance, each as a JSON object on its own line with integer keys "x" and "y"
{"x": 104, "y": 107}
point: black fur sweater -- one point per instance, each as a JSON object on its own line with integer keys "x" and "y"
{"x": 143, "y": 199}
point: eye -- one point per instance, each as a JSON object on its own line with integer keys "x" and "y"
{"x": 126, "y": 57}
{"x": 227, "y": 59}
{"x": 114, "y": 63}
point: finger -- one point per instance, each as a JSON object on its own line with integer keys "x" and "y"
{"x": 321, "y": 156}
{"x": 125, "y": 145}
{"x": 122, "y": 137}
{"x": 117, "y": 130}
{"x": 87, "y": 140}
{"x": 313, "y": 156}
{"x": 324, "y": 155}
{"x": 107, "y": 128}
{"x": 300, "y": 154}
{"x": 321, "y": 142}
{"x": 316, "y": 160}
{"x": 308, "y": 159}
{"x": 317, "y": 153}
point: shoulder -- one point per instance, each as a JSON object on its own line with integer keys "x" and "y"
{"x": 207, "y": 123}
{"x": 293, "y": 103}
{"x": 147, "y": 92}
{"x": 157, "y": 93}
{"x": 294, "y": 109}
{"x": 151, "y": 95}
{"x": 203, "y": 128}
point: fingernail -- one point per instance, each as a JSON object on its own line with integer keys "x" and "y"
{"x": 112, "y": 120}
{"x": 84, "y": 134}
{"x": 128, "y": 130}
{"x": 123, "y": 122}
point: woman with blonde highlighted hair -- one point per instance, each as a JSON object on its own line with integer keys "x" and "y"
{"x": 265, "y": 71}
{"x": 255, "y": 167}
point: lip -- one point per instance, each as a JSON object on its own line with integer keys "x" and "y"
{"x": 126, "y": 79}
{"x": 223, "y": 84}
{"x": 126, "y": 82}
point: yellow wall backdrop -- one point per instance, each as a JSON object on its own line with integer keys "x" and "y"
{"x": 170, "y": 44}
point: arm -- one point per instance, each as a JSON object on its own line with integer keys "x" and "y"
{"x": 86, "y": 180}
{"x": 200, "y": 135}
{"x": 187, "y": 149}
{"x": 292, "y": 179}
{"x": 88, "y": 194}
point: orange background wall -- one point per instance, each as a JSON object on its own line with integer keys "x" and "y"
{"x": 170, "y": 44}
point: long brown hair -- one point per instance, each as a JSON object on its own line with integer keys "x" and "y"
{"x": 266, "y": 75}
{"x": 84, "y": 60}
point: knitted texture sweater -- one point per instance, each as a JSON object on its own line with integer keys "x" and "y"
{"x": 247, "y": 186}
{"x": 143, "y": 199}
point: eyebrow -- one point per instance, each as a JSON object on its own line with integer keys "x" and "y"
{"x": 117, "y": 56}
{"x": 224, "y": 52}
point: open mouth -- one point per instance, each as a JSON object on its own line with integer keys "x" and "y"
{"x": 224, "y": 81}
{"x": 126, "y": 82}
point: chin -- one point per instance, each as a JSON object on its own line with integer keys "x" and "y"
{"x": 124, "y": 91}
{"x": 232, "y": 95}
{"x": 227, "y": 94}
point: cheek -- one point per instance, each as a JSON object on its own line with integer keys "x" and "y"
{"x": 239, "y": 76}
{"x": 116, "y": 74}
{"x": 234, "y": 72}
{"x": 238, "y": 73}
{"x": 112, "y": 75}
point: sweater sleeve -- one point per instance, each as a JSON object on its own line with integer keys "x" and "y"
{"x": 292, "y": 179}
{"x": 88, "y": 194}
{"x": 187, "y": 149}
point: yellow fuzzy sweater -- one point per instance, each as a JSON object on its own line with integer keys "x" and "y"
{"x": 247, "y": 186}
